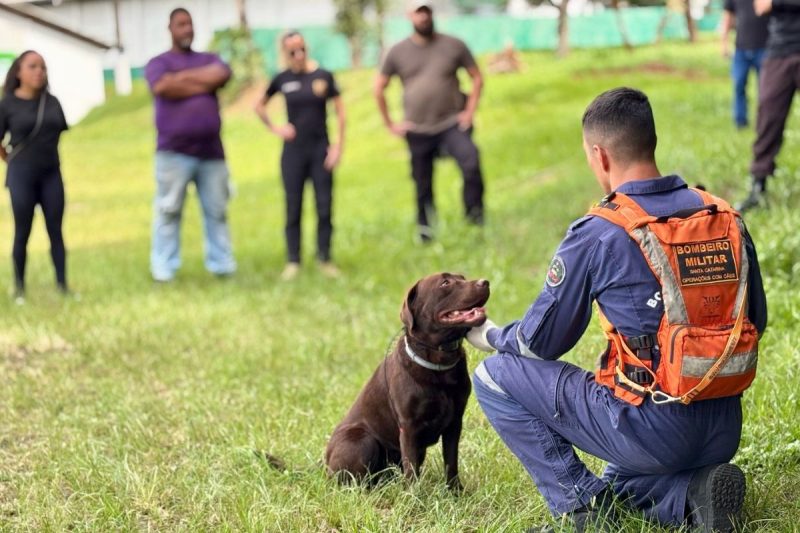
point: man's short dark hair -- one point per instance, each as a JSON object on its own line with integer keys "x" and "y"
{"x": 622, "y": 121}
{"x": 178, "y": 11}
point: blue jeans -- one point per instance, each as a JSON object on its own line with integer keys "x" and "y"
{"x": 743, "y": 61}
{"x": 543, "y": 410}
{"x": 174, "y": 172}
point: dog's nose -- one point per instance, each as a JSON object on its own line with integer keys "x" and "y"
{"x": 483, "y": 283}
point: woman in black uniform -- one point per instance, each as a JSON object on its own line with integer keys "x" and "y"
{"x": 34, "y": 119}
{"x": 307, "y": 152}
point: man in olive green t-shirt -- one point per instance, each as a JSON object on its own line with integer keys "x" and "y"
{"x": 438, "y": 116}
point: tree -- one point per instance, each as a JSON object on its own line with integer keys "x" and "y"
{"x": 623, "y": 29}
{"x": 677, "y": 6}
{"x": 356, "y": 27}
{"x": 241, "y": 8}
{"x": 237, "y": 48}
{"x": 563, "y": 23}
{"x": 691, "y": 27}
{"x": 470, "y": 6}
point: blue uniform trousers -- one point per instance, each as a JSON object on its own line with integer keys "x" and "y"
{"x": 543, "y": 410}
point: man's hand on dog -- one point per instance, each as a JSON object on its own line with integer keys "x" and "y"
{"x": 477, "y": 336}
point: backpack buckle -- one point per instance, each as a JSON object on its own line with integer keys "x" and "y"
{"x": 643, "y": 346}
{"x": 638, "y": 375}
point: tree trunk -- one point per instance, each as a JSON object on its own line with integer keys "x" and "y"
{"x": 623, "y": 30}
{"x": 355, "y": 52}
{"x": 690, "y": 27}
{"x": 241, "y": 8}
{"x": 251, "y": 65}
{"x": 662, "y": 26}
{"x": 563, "y": 29}
{"x": 381, "y": 16}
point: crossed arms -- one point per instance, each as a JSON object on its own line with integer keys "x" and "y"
{"x": 191, "y": 82}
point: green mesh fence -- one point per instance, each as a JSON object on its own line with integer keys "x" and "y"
{"x": 492, "y": 33}
{"x": 487, "y": 34}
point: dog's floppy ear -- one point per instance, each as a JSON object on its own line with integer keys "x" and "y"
{"x": 406, "y": 315}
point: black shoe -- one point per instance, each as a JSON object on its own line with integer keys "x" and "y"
{"x": 715, "y": 497}
{"x": 599, "y": 515}
{"x": 475, "y": 217}
{"x": 756, "y": 198}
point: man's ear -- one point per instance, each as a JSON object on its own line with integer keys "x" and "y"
{"x": 406, "y": 313}
{"x": 603, "y": 158}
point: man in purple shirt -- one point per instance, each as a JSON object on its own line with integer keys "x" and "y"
{"x": 184, "y": 85}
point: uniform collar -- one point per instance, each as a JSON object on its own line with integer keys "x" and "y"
{"x": 652, "y": 186}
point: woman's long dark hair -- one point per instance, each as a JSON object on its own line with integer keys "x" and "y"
{"x": 12, "y": 77}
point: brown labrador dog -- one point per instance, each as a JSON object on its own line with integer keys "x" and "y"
{"x": 419, "y": 392}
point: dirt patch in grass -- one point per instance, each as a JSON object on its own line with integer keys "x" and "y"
{"x": 653, "y": 67}
{"x": 15, "y": 355}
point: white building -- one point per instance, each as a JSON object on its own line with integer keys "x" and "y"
{"x": 143, "y": 23}
{"x": 74, "y": 61}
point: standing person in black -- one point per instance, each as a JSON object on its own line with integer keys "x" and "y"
{"x": 780, "y": 79}
{"x": 307, "y": 151}
{"x": 34, "y": 119}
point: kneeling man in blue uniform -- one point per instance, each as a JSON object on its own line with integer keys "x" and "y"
{"x": 677, "y": 284}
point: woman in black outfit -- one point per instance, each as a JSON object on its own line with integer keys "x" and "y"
{"x": 307, "y": 151}
{"x": 34, "y": 120}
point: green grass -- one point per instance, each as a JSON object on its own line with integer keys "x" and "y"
{"x": 138, "y": 406}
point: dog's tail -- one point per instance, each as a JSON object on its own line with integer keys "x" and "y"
{"x": 275, "y": 462}
{"x": 279, "y": 464}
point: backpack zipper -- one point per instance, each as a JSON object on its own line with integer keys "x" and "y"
{"x": 672, "y": 345}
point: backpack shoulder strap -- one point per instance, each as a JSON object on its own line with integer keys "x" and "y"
{"x": 35, "y": 131}
{"x": 710, "y": 199}
{"x": 619, "y": 209}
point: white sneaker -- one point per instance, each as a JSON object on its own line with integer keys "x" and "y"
{"x": 18, "y": 295}
{"x": 290, "y": 271}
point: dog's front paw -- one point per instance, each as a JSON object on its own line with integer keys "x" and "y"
{"x": 455, "y": 486}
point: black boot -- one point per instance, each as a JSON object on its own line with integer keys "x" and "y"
{"x": 715, "y": 498}
{"x": 757, "y": 196}
{"x": 475, "y": 216}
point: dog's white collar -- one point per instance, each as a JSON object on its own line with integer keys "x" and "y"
{"x": 424, "y": 363}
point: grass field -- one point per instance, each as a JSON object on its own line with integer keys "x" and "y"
{"x": 138, "y": 407}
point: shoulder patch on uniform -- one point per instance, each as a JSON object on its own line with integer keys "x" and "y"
{"x": 556, "y": 272}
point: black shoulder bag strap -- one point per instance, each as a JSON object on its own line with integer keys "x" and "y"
{"x": 39, "y": 119}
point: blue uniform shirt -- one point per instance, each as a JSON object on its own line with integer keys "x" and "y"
{"x": 597, "y": 260}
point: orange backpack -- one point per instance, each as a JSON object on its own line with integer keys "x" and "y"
{"x": 708, "y": 346}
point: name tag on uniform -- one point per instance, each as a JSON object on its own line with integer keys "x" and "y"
{"x": 290, "y": 87}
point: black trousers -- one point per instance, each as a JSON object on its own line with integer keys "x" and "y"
{"x": 459, "y": 144}
{"x": 304, "y": 158}
{"x": 779, "y": 80}
{"x": 28, "y": 187}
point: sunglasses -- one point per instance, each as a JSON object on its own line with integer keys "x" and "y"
{"x": 297, "y": 51}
